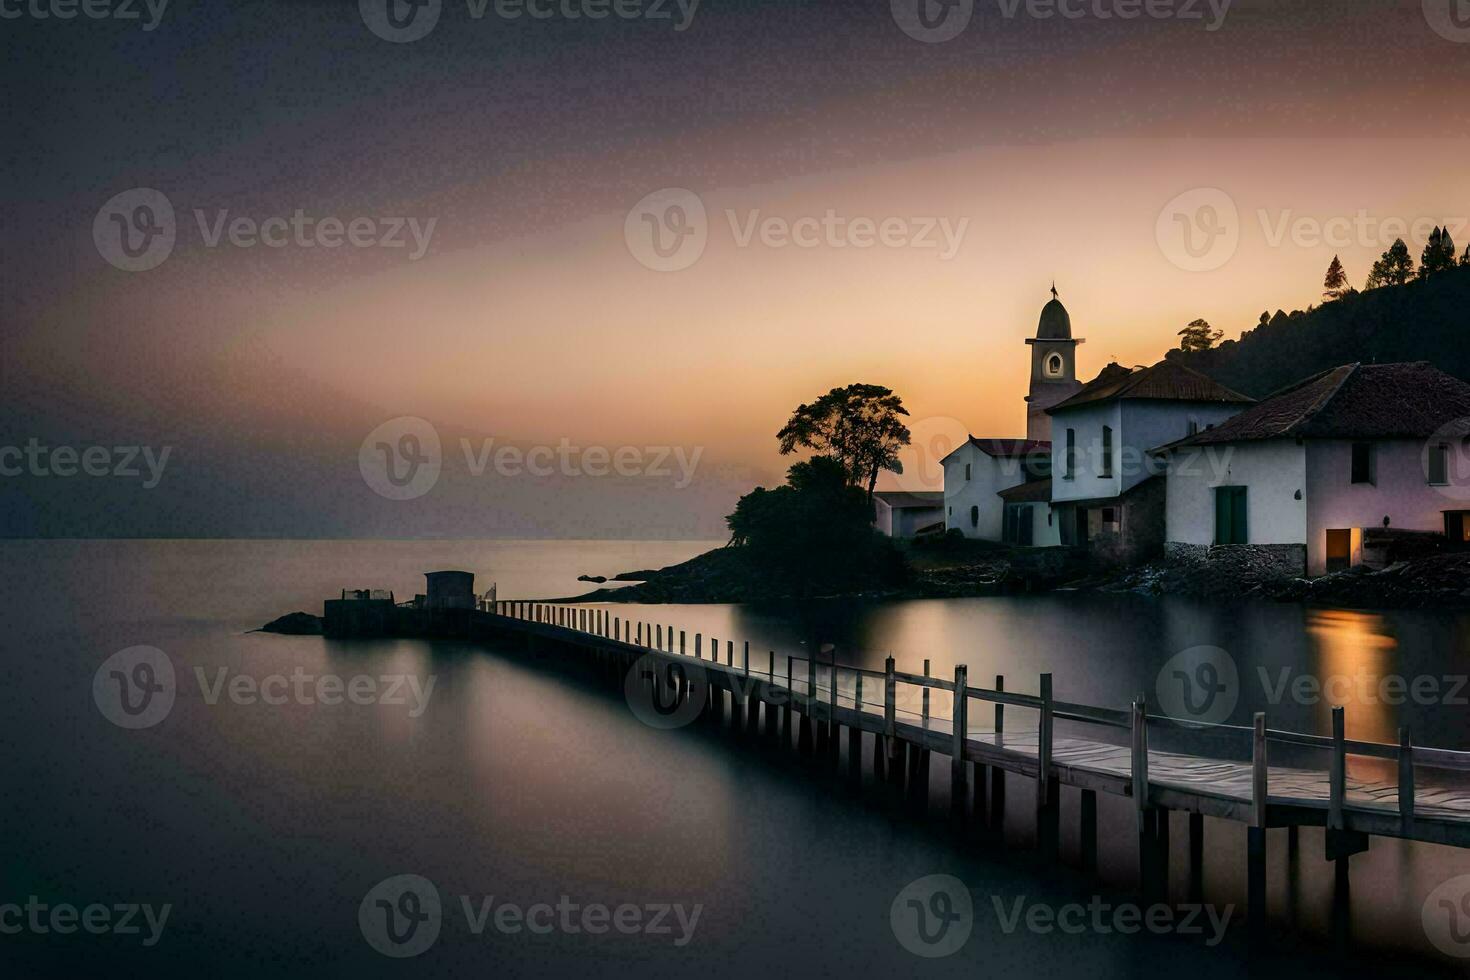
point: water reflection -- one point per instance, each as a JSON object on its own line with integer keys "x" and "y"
{"x": 1356, "y": 655}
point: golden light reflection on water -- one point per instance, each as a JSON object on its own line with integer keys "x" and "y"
{"x": 1354, "y": 653}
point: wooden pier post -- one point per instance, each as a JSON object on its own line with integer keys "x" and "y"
{"x": 834, "y": 731}
{"x": 998, "y": 774}
{"x": 1145, "y": 819}
{"x": 1048, "y": 789}
{"x": 770, "y": 707}
{"x": 1256, "y": 835}
{"x": 1196, "y": 857}
{"x": 890, "y": 709}
{"x": 788, "y": 707}
{"x": 1341, "y": 842}
{"x": 1406, "y": 781}
{"x": 1088, "y": 830}
{"x": 960, "y": 724}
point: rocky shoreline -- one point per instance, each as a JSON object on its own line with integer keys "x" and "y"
{"x": 721, "y": 576}
{"x": 725, "y": 576}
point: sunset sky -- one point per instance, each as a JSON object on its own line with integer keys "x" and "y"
{"x": 1058, "y": 145}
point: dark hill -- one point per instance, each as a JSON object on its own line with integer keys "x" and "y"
{"x": 1425, "y": 320}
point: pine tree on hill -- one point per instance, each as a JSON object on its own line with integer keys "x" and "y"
{"x": 1199, "y": 335}
{"x": 1439, "y": 254}
{"x": 1335, "y": 286}
{"x": 1465, "y": 259}
{"x": 1395, "y": 268}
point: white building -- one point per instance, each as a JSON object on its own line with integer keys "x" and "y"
{"x": 977, "y": 472}
{"x": 1318, "y": 469}
{"x": 904, "y": 514}
{"x": 1104, "y": 483}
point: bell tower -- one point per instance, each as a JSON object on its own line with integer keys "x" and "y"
{"x": 1053, "y": 367}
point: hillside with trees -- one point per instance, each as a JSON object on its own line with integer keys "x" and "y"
{"x": 1425, "y": 318}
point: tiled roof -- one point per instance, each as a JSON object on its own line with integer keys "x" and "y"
{"x": 1008, "y": 448}
{"x": 1026, "y": 493}
{"x": 1166, "y": 380}
{"x": 901, "y": 499}
{"x": 1356, "y": 401}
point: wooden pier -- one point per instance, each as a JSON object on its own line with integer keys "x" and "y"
{"x": 1222, "y": 771}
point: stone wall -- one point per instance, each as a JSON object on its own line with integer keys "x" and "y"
{"x": 1241, "y": 562}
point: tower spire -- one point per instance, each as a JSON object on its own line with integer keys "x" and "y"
{"x": 1054, "y": 290}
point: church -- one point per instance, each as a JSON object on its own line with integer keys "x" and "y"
{"x": 999, "y": 489}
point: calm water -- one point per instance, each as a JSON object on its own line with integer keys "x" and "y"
{"x": 264, "y": 826}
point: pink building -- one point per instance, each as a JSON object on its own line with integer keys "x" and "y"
{"x": 1323, "y": 474}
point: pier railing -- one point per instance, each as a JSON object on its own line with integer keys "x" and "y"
{"x": 970, "y": 723}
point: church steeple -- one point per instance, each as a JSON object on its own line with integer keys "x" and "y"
{"x": 1053, "y": 366}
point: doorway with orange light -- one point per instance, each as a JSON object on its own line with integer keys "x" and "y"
{"x": 1339, "y": 549}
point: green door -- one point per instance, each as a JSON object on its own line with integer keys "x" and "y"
{"x": 1230, "y": 520}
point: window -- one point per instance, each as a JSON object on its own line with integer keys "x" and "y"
{"x": 1230, "y": 514}
{"x": 967, "y": 472}
{"x": 1439, "y": 464}
{"x": 1362, "y": 462}
{"x": 1054, "y": 365}
{"x": 1193, "y": 427}
{"x": 1110, "y": 515}
{"x": 1070, "y": 461}
{"x": 1107, "y": 452}
{"x": 974, "y": 516}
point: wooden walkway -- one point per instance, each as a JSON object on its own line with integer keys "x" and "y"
{"x": 1215, "y": 770}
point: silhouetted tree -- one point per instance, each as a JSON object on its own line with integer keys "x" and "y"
{"x": 1465, "y": 259}
{"x": 1335, "y": 286}
{"x": 1395, "y": 268}
{"x": 1199, "y": 335}
{"x": 1439, "y": 254}
{"x": 860, "y": 426}
{"x": 815, "y": 533}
